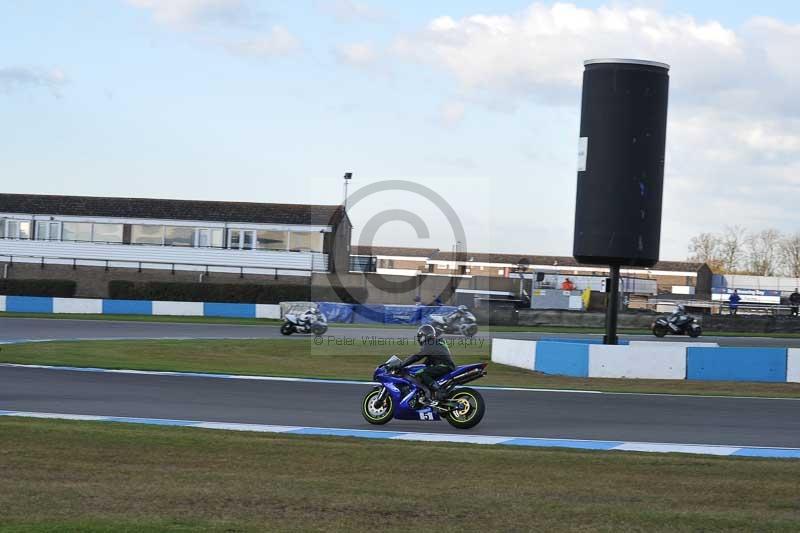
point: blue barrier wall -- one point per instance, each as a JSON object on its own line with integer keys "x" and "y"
{"x": 336, "y": 313}
{"x": 736, "y": 364}
{"x": 229, "y": 310}
{"x": 368, "y": 314}
{"x": 29, "y": 304}
{"x": 127, "y": 307}
{"x": 562, "y": 358}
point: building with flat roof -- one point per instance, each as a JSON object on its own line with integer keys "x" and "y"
{"x": 210, "y": 236}
{"x": 667, "y": 276}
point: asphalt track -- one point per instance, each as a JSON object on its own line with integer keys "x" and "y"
{"x": 565, "y": 415}
{"x": 39, "y": 329}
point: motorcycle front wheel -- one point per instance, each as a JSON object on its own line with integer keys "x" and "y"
{"x": 695, "y": 332}
{"x": 659, "y": 331}
{"x": 471, "y": 410}
{"x": 374, "y": 413}
{"x": 287, "y": 329}
{"x": 319, "y": 329}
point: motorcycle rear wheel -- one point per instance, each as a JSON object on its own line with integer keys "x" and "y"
{"x": 373, "y": 413}
{"x": 287, "y": 329}
{"x": 471, "y": 330}
{"x": 659, "y": 331}
{"x": 473, "y": 409}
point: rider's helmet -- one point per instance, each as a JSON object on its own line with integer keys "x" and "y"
{"x": 426, "y": 334}
{"x": 463, "y": 308}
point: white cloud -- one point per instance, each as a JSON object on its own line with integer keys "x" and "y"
{"x": 451, "y": 113}
{"x": 356, "y": 54}
{"x": 541, "y": 50}
{"x": 278, "y": 42}
{"x": 18, "y": 77}
{"x": 350, "y": 10}
{"x": 191, "y": 13}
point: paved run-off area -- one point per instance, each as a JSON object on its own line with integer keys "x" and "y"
{"x": 23, "y": 329}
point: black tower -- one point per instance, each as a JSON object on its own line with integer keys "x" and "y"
{"x": 620, "y": 168}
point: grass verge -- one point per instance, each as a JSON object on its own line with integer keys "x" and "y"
{"x": 333, "y": 360}
{"x": 90, "y": 476}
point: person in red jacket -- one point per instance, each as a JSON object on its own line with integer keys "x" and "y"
{"x": 567, "y": 285}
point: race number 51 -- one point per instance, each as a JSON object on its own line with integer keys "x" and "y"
{"x": 426, "y": 415}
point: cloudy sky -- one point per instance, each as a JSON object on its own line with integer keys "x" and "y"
{"x": 478, "y": 101}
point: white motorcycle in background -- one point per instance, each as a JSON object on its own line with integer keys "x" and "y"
{"x": 311, "y": 321}
{"x": 459, "y": 322}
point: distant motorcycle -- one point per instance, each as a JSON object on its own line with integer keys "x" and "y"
{"x": 678, "y": 323}
{"x": 398, "y": 396}
{"x": 459, "y": 322}
{"x": 312, "y": 321}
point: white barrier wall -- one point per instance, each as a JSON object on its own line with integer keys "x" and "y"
{"x": 793, "y": 366}
{"x": 89, "y": 306}
{"x": 178, "y": 308}
{"x": 2, "y": 303}
{"x": 656, "y": 361}
{"x": 268, "y": 311}
{"x": 521, "y": 354}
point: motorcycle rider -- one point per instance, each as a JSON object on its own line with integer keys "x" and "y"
{"x": 675, "y": 316}
{"x": 438, "y": 362}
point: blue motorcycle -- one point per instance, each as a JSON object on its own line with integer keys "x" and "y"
{"x": 399, "y": 396}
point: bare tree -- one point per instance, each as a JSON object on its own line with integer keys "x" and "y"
{"x": 790, "y": 254}
{"x": 763, "y": 252}
{"x": 731, "y": 248}
{"x": 705, "y": 248}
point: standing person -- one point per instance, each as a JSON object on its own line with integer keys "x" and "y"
{"x": 567, "y": 285}
{"x": 733, "y": 301}
{"x": 794, "y": 301}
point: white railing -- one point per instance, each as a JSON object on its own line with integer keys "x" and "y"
{"x": 163, "y": 257}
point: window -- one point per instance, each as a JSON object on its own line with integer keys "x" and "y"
{"x": 178, "y": 236}
{"x": 240, "y": 239}
{"x": 48, "y": 231}
{"x": 2, "y": 228}
{"x": 76, "y": 231}
{"x": 107, "y": 233}
{"x": 208, "y": 238}
{"x": 146, "y": 234}
{"x": 17, "y": 229}
{"x": 272, "y": 240}
{"x": 305, "y": 241}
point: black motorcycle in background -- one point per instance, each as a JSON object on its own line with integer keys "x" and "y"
{"x": 678, "y": 323}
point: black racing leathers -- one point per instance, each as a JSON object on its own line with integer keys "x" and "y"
{"x": 438, "y": 362}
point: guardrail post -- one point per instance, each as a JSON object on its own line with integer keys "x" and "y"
{"x": 74, "y": 264}
{"x": 276, "y": 273}
{"x": 173, "y": 269}
{"x": 42, "y": 265}
{"x": 106, "y": 265}
{"x": 206, "y": 270}
{"x": 241, "y": 272}
{"x": 140, "y": 266}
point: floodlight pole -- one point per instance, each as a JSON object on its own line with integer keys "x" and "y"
{"x": 612, "y": 308}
